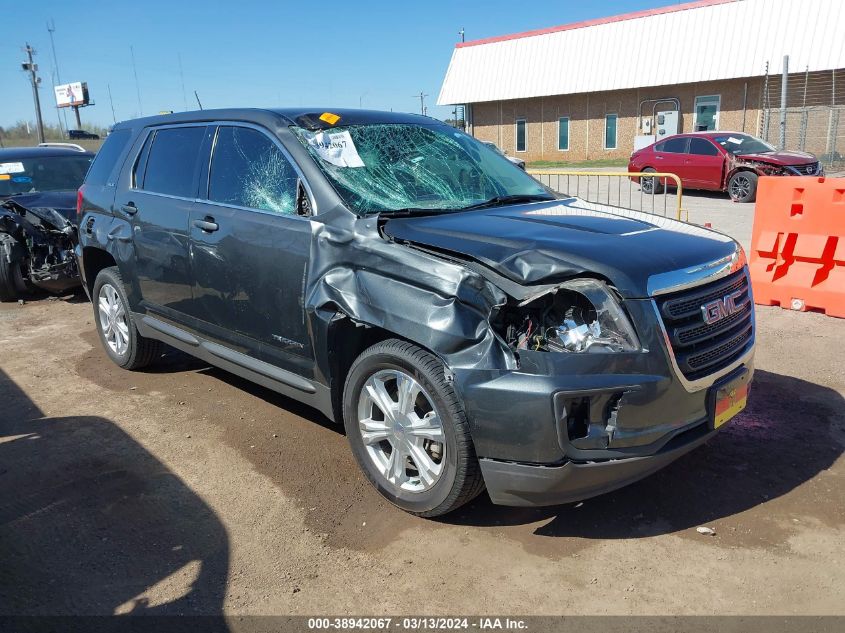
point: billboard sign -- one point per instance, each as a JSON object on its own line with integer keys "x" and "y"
{"x": 75, "y": 94}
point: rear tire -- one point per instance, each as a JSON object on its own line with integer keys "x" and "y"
{"x": 742, "y": 186}
{"x": 116, "y": 325}
{"x": 419, "y": 454}
{"x": 651, "y": 185}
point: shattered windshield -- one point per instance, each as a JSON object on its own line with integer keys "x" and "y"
{"x": 743, "y": 144}
{"x": 391, "y": 167}
{"x": 46, "y": 173}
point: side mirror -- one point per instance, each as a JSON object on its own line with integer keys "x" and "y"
{"x": 303, "y": 204}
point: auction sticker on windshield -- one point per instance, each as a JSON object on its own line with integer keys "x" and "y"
{"x": 336, "y": 148}
{"x": 11, "y": 168}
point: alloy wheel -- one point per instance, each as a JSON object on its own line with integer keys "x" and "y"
{"x": 740, "y": 187}
{"x": 113, "y": 322}
{"x": 401, "y": 430}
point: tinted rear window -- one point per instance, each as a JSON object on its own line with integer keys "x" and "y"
{"x": 672, "y": 146}
{"x": 173, "y": 161}
{"x": 104, "y": 163}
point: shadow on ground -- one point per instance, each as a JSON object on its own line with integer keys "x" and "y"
{"x": 92, "y": 523}
{"x": 791, "y": 431}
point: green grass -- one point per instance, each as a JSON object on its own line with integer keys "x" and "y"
{"x": 557, "y": 164}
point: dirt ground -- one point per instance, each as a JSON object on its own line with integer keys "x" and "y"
{"x": 184, "y": 489}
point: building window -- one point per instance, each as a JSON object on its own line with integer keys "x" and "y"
{"x": 520, "y": 135}
{"x": 706, "y": 113}
{"x": 563, "y": 133}
{"x": 610, "y": 131}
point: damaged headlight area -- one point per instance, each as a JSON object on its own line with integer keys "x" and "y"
{"x": 579, "y": 316}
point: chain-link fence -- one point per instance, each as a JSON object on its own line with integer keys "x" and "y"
{"x": 814, "y": 114}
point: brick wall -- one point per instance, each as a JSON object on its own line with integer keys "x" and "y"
{"x": 495, "y": 121}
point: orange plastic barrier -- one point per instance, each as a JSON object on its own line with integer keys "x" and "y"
{"x": 797, "y": 256}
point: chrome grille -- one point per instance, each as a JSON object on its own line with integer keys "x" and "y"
{"x": 700, "y": 348}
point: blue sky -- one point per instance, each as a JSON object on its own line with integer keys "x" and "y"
{"x": 249, "y": 53}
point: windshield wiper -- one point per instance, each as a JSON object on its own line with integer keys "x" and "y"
{"x": 392, "y": 213}
{"x": 500, "y": 201}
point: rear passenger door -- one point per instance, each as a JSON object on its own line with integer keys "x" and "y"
{"x": 158, "y": 203}
{"x": 670, "y": 156}
{"x": 250, "y": 249}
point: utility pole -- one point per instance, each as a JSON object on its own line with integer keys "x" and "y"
{"x": 422, "y": 97}
{"x": 31, "y": 67}
{"x": 783, "y": 93}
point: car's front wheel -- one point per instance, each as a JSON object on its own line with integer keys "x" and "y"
{"x": 408, "y": 430}
{"x": 742, "y": 186}
{"x": 115, "y": 325}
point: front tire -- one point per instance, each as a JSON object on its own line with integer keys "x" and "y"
{"x": 742, "y": 186}
{"x": 115, "y": 325}
{"x": 408, "y": 431}
{"x": 12, "y": 284}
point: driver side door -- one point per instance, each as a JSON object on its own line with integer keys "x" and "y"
{"x": 250, "y": 250}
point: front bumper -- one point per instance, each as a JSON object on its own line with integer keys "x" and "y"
{"x": 514, "y": 484}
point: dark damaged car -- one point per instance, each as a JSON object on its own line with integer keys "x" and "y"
{"x": 38, "y": 191}
{"x": 719, "y": 161}
{"x": 467, "y": 327}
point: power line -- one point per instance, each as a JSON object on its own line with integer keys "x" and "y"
{"x": 111, "y": 101}
{"x": 182, "y": 81}
{"x": 51, "y": 28}
{"x": 137, "y": 85}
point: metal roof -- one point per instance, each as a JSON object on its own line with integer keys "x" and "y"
{"x": 698, "y": 41}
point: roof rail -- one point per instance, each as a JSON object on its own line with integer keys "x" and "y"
{"x": 72, "y": 146}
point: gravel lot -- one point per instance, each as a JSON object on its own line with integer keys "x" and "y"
{"x": 184, "y": 489}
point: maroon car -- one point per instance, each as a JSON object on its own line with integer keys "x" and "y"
{"x": 719, "y": 161}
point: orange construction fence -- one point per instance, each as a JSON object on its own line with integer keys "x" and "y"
{"x": 797, "y": 256}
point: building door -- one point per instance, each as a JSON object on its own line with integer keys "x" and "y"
{"x": 706, "y": 113}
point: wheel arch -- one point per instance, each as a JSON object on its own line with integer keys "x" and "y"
{"x": 346, "y": 340}
{"x": 95, "y": 259}
{"x": 735, "y": 170}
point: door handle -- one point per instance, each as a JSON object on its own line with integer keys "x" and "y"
{"x": 129, "y": 208}
{"x": 658, "y": 157}
{"x": 208, "y": 225}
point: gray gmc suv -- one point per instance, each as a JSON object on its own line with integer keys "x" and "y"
{"x": 468, "y": 327}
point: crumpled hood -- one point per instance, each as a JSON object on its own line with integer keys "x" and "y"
{"x": 781, "y": 158}
{"x": 545, "y": 242}
{"x": 64, "y": 202}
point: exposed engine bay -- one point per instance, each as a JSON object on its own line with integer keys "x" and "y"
{"x": 36, "y": 246}
{"x": 579, "y": 316}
